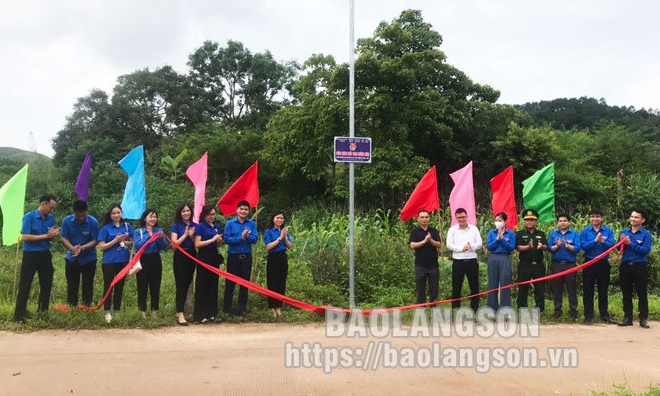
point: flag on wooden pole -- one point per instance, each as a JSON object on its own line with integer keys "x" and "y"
{"x": 245, "y": 187}
{"x": 12, "y": 202}
{"x": 539, "y": 193}
{"x": 424, "y": 196}
{"x": 135, "y": 193}
{"x": 82, "y": 183}
{"x": 198, "y": 173}
{"x": 462, "y": 195}
{"x": 504, "y": 199}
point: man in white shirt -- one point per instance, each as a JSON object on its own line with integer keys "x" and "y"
{"x": 464, "y": 240}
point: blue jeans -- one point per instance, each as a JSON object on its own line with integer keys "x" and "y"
{"x": 499, "y": 274}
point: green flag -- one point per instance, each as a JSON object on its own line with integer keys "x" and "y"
{"x": 539, "y": 193}
{"x": 12, "y": 202}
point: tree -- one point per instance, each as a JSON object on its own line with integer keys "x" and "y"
{"x": 151, "y": 105}
{"x": 91, "y": 119}
{"x": 407, "y": 99}
{"x": 236, "y": 86}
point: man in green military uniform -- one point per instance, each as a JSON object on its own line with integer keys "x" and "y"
{"x": 531, "y": 243}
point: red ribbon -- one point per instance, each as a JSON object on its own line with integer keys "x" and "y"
{"x": 321, "y": 309}
{"x": 122, "y": 274}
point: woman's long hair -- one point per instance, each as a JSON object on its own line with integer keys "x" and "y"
{"x": 271, "y": 222}
{"x": 179, "y": 209}
{"x": 107, "y": 219}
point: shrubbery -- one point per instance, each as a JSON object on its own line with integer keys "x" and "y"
{"x": 318, "y": 270}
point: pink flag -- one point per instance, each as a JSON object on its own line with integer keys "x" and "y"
{"x": 197, "y": 173}
{"x": 462, "y": 195}
{"x": 503, "y": 197}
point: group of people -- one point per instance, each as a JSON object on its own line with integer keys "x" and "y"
{"x": 81, "y": 233}
{"x": 564, "y": 243}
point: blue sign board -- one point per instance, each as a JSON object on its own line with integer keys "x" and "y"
{"x": 354, "y": 149}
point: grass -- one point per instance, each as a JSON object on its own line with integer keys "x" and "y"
{"x": 318, "y": 274}
{"x": 624, "y": 390}
{"x": 258, "y": 310}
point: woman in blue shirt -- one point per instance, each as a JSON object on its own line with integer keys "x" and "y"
{"x": 208, "y": 236}
{"x": 501, "y": 242}
{"x": 149, "y": 278}
{"x": 278, "y": 241}
{"x": 115, "y": 241}
{"x": 183, "y": 234}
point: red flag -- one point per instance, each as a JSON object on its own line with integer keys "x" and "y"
{"x": 424, "y": 196}
{"x": 503, "y": 197}
{"x": 245, "y": 187}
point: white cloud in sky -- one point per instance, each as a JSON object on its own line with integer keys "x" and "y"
{"x": 56, "y": 52}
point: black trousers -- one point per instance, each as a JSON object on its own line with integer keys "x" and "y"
{"x": 277, "y": 269}
{"x": 570, "y": 281}
{"x": 206, "y": 285}
{"x": 459, "y": 270}
{"x": 148, "y": 280}
{"x": 240, "y": 265}
{"x": 598, "y": 274}
{"x": 74, "y": 272}
{"x": 527, "y": 271}
{"x": 424, "y": 275}
{"x": 634, "y": 275}
{"x": 40, "y": 263}
{"x": 184, "y": 269}
{"x": 109, "y": 273}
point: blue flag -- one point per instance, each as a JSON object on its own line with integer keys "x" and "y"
{"x": 135, "y": 194}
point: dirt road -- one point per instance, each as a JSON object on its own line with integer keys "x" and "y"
{"x": 229, "y": 359}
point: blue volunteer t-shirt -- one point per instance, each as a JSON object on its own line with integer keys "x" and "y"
{"x": 180, "y": 229}
{"x": 116, "y": 253}
{"x": 80, "y": 234}
{"x": 141, "y": 237}
{"x": 34, "y": 224}
{"x": 271, "y": 235}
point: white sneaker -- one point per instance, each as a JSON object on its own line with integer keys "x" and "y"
{"x": 108, "y": 317}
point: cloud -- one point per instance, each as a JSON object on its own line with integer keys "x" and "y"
{"x": 55, "y": 52}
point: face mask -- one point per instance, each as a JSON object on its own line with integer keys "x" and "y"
{"x": 499, "y": 224}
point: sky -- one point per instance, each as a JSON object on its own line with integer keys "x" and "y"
{"x": 55, "y": 52}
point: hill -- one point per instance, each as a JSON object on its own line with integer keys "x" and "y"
{"x": 587, "y": 113}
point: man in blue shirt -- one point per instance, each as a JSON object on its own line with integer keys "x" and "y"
{"x": 240, "y": 234}
{"x": 633, "y": 271}
{"x": 79, "y": 234}
{"x": 37, "y": 230}
{"x": 564, "y": 245}
{"x": 594, "y": 241}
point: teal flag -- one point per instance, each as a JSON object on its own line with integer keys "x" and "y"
{"x": 539, "y": 193}
{"x": 135, "y": 193}
{"x": 12, "y": 202}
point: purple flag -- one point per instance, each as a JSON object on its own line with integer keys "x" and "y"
{"x": 82, "y": 184}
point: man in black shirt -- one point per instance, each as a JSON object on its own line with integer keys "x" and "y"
{"x": 425, "y": 241}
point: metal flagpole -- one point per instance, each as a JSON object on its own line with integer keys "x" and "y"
{"x": 351, "y": 165}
